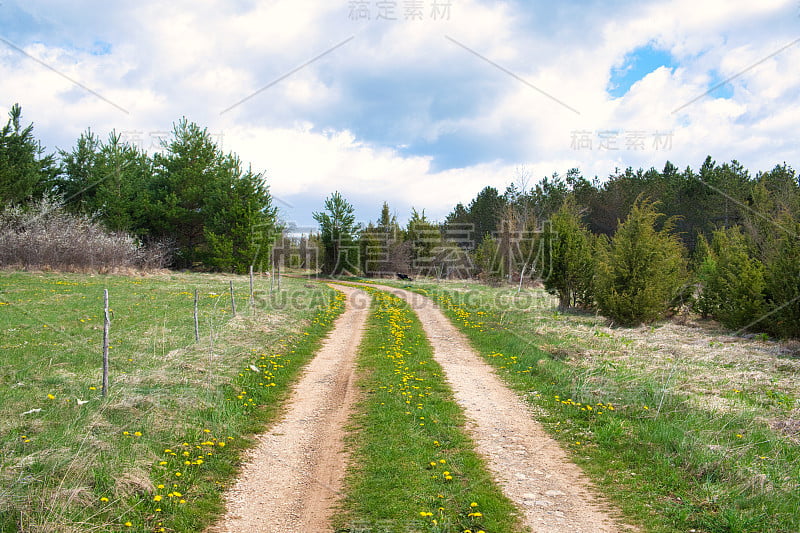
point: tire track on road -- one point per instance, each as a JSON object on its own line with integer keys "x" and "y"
{"x": 552, "y": 493}
{"x": 292, "y": 479}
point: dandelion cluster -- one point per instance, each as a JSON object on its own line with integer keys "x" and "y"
{"x": 468, "y": 319}
{"x": 446, "y": 508}
{"x": 598, "y": 408}
{"x": 177, "y": 472}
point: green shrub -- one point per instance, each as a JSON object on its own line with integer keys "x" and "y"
{"x": 641, "y": 270}
{"x": 783, "y": 284}
{"x": 704, "y": 265}
{"x": 567, "y": 260}
{"x": 737, "y": 284}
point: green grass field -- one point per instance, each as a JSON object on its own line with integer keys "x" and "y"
{"x": 683, "y": 428}
{"x": 157, "y": 452}
{"x": 681, "y": 436}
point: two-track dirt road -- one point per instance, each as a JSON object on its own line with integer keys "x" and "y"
{"x": 292, "y": 479}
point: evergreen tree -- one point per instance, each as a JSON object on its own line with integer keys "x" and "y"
{"x": 783, "y": 283}
{"x": 567, "y": 255}
{"x": 338, "y": 236}
{"x": 373, "y": 250}
{"x": 220, "y": 216}
{"x": 25, "y": 172}
{"x": 107, "y": 181}
{"x": 737, "y": 284}
{"x": 641, "y": 270}
{"x": 424, "y": 238}
{"x": 79, "y": 177}
{"x": 704, "y": 266}
{"x": 484, "y": 212}
{"x": 242, "y": 224}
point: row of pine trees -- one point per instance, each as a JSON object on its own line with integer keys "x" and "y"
{"x": 636, "y": 246}
{"x": 196, "y": 200}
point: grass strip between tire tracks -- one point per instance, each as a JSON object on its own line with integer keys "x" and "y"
{"x": 413, "y": 468}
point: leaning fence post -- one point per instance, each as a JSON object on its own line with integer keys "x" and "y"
{"x": 233, "y": 300}
{"x": 252, "y": 299}
{"x": 272, "y": 276}
{"x": 196, "y": 321}
{"x": 106, "y": 326}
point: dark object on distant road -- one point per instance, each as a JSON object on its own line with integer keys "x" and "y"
{"x": 404, "y": 277}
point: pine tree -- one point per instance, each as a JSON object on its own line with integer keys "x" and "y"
{"x": 424, "y": 238}
{"x": 338, "y": 236}
{"x": 220, "y": 216}
{"x": 641, "y": 270}
{"x": 25, "y": 172}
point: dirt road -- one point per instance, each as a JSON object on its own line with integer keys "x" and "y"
{"x": 532, "y": 470}
{"x": 293, "y": 477}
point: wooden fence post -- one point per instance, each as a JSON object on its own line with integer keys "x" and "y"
{"x": 196, "y": 319}
{"x": 106, "y": 326}
{"x": 252, "y": 299}
{"x": 233, "y": 301}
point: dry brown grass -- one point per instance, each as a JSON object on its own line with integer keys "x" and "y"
{"x": 718, "y": 371}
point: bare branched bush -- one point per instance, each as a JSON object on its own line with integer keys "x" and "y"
{"x": 43, "y": 236}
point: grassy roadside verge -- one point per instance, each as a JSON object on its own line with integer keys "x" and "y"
{"x": 669, "y": 459}
{"x": 413, "y": 469}
{"x": 154, "y": 455}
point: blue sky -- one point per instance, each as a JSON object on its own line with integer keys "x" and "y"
{"x": 637, "y": 64}
{"x": 423, "y": 110}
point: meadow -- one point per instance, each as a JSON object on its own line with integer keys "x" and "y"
{"x": 156, "y": 453}
{"x": 685, "y": 427}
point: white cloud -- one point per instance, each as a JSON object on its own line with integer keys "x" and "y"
{"x": 337, "y": 123}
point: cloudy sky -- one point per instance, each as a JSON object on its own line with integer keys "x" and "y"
{"x": 416, "y": 102}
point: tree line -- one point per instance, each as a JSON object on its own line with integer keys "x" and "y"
{"x": 210, "y": 210}
{"x": 636, "y": 247}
